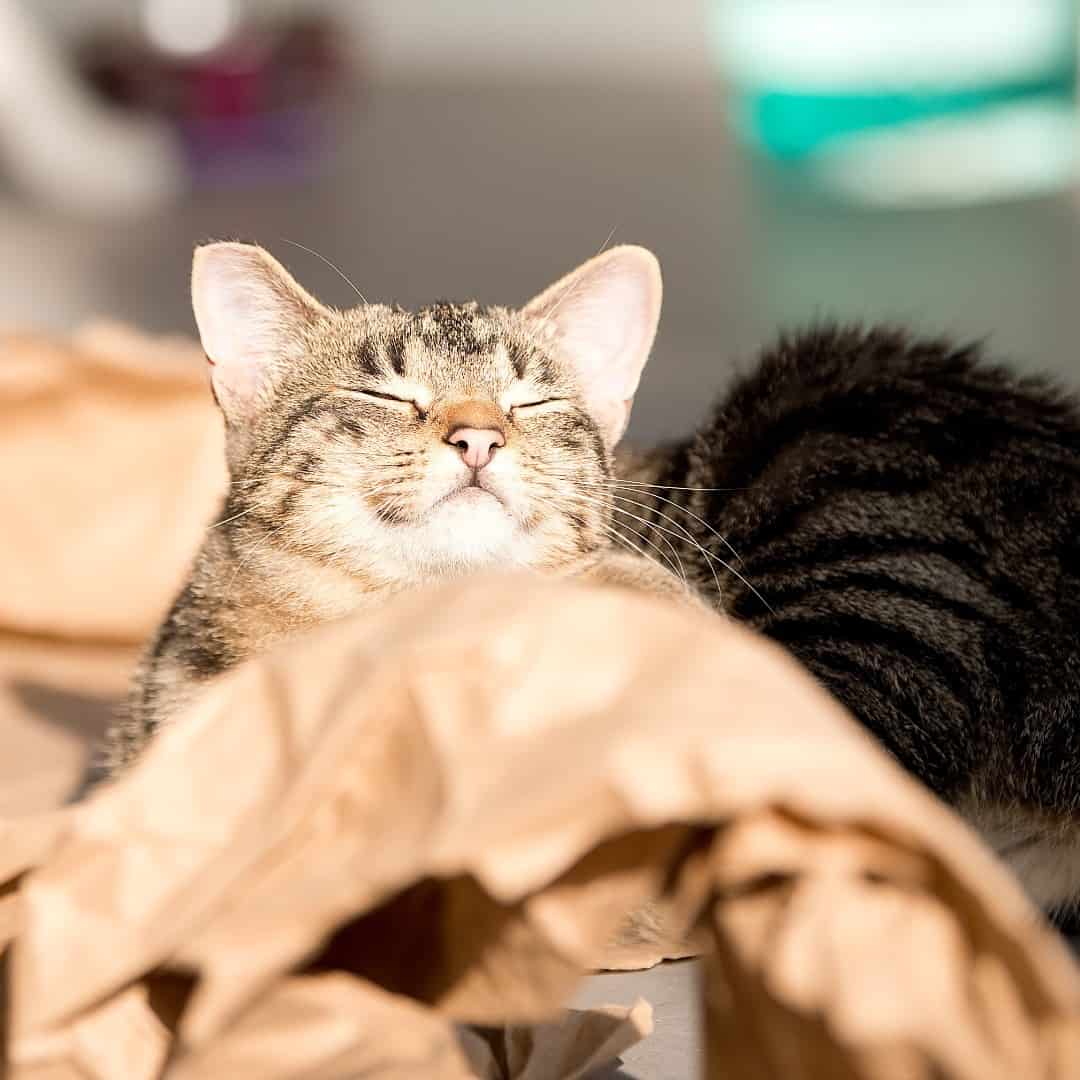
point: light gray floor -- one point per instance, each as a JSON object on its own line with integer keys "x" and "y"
{"x": 673, "y": 1050}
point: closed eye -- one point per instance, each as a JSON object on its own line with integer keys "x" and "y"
{"x": 378, "y": 395}
{"x": 536, "y": 404}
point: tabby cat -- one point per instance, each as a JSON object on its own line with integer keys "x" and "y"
{"x": 897, "y": 513}
{"x": 375, "y": 449}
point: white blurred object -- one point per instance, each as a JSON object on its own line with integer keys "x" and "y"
{"x": 176, "y": 27}
{"x": 66, "y": 150}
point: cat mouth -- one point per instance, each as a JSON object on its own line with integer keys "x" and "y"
{"x": 472, "y": 491}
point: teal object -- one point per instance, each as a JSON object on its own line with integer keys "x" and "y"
{"x": 839, "y": 88}
{"x": 792, "y": 125}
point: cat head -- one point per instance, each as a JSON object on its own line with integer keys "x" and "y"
{"x": 400, "y": 445}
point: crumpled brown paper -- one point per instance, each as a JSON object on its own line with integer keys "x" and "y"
{"x": 439, "y": 816}
{"x": 113, "y": 463}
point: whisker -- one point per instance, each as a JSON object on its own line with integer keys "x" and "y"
{"x": 570, "y": 292}
{"x": 716, "y": 580}
{"x": 271, "y": 472}
{"x": 684, "y": 534}
{"x": 710, "y": 556}
{"x": 700, "y": 520}
{"x": 333, "y": 266}
{"x": 686, "y": 537}
{"x": 650, "y": 495}
{"x": 304, "y": 535}
{"x": 218, "y": 524}
{"x": 628, "y": 544}
{"x": 245, "y": 559}
{"x": 679, "y": 571}
{"x": 669, "y": 487}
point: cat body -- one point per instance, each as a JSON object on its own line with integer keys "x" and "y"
{"x": 900, "y": 515}
{"x": 907, "y": 520}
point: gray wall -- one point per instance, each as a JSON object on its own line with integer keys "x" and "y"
{"x": 468, "y": 172}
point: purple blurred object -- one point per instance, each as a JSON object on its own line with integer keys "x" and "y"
{"x": 259, "y": 110}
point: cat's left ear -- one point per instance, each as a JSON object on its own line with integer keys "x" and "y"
{"x": 602, "y": 318}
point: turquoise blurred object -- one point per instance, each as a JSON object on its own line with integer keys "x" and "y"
{"x": 902, "y": 102}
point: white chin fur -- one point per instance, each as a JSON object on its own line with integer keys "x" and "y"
{"x": 467, "y": 532}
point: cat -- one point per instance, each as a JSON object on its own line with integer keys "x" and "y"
{"x": 373, "y": 450}
{"x": 897, "y": 512}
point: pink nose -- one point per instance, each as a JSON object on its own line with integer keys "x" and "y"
{"x": 477, "y": 445}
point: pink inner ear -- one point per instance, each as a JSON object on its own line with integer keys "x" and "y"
{"x": 605, "y": 316}
{"x": 249, "y": 313}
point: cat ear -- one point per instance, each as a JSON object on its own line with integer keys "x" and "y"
{"x": 251, "y": 315}
{"x": 603, "y": 318}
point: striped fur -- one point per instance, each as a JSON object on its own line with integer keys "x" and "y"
{"x": 345, "y": 485}
{"x": 905, "y": 516}
{"x": 910, "y": 517}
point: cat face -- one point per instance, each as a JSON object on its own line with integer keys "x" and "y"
{"x": 401, "y": 446}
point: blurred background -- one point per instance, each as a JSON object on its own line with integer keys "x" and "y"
{"x": 788, "y": 160}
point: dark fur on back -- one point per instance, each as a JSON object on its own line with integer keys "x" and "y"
{"x": 910, "y": 515}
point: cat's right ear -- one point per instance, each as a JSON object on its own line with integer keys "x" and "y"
{"x": 251, "y": 316}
